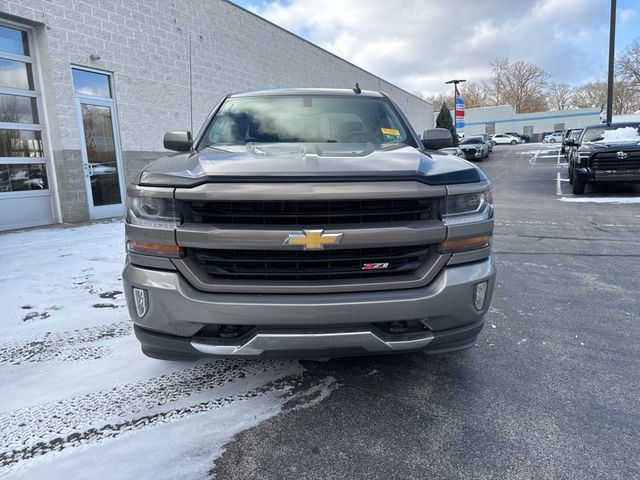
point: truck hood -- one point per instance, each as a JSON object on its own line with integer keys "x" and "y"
{"x": 280, "y": 162}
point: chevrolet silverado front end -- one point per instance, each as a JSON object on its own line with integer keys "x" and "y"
{"x": 307, "y": 223}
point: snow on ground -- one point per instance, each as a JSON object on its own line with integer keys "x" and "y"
{"x": 79, "y": 399}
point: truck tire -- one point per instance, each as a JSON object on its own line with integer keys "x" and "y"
{"x": 570, "y": 173}
{"x": 577, "y": 186}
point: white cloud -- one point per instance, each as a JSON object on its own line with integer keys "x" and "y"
{"x": 419, "y": 45}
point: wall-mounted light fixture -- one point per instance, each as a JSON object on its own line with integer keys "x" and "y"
{"x": 94, "y": 58}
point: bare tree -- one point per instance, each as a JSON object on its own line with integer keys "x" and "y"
{"x": 590, "y": 95}
{"x": 521, "y": 84}
{"x": 629, "y": 63}
{"x": 477, "y": 94}
{"x": 439, "y": 99}
{"x": 528, "y": 88}
{"x": 559, "y": 96}
{"x": 499, "y": 67}
{"x": 626, "y": 97}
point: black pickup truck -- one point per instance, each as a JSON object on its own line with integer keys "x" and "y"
{"x": 605, "y": 153}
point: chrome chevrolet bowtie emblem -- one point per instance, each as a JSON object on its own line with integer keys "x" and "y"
{"x": 313, "y": 239}
{"x": 622, "y": 155}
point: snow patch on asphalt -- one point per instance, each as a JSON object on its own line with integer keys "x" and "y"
{"x": 79, "y": 400}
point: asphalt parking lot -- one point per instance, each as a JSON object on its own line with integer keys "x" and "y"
{"x": 551, "y": 389}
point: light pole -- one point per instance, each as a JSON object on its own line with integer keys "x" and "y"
{"x": 455, "y": 106}
{"x": 612, "y": 43}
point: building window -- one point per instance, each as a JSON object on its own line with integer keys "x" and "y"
{"x": 14, "y": 41}
{"x": 93, "y": 84}
{"x": 22, "y": 157}
{"x": 490, "y": 128}
{"x": 558, "y": 127}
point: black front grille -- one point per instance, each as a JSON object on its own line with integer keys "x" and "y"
{"x": 310, "y": 265}
{"x": 308, "y": 213}
{"x": 470, "y": 152}
{"x": 611, "y": 161}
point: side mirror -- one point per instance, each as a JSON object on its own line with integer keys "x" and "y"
{"x": 178, "y": 141}
{"x": 570, "y": 142}
{"x": 437, "y": 138}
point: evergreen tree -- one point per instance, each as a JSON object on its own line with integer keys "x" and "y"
{"x": 444, "y": 120}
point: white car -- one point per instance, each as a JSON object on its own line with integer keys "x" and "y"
{"x": 503, "y": 138}
{"x": 554, "y": 137}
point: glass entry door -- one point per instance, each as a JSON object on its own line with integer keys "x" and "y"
{"x": 101, "y": 158}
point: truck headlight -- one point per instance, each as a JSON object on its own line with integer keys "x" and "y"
{"x": 583, "y": 156}
{"x": 467, "y": 208}
{"x": 154, "y": 212}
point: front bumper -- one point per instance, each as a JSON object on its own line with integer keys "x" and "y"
{"x": 473, "y": 154}
{"x": 307, "y": 324}
{"x": 588, "y": 175}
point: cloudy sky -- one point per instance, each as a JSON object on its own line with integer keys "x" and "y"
{"x": 419, "y": 44}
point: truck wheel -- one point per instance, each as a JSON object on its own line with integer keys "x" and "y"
{"x": 570, "y": 173}
{"x": 577, "y": 186}
{"x": 513, "y": 142}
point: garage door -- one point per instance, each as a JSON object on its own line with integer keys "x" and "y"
{"x": 25, "y": 182}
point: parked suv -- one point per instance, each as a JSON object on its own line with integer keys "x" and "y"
{"x": 554, "y": 137}
{"x": 521, "y": 136}
{"x": 307, "y": 222}
{"x": 503, "y": 138}
{"x": 487, "y": 139}
{"x": 605, "y": 154}
{"x": 475, "y": 148}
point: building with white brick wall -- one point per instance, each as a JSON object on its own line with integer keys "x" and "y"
{"x": 88, "y": 88}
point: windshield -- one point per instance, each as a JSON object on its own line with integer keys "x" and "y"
{"x": 306, "y": 118}
{"x": 614, "y": 133}
{"x": 471, "y": 140}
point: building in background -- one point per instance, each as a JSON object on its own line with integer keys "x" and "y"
{"x": 503, "y": 118}
{"x": 88, "y": 88}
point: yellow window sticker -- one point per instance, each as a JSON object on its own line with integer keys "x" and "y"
{"x": 391, "y": 131}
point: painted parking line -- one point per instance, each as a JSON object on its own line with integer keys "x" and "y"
{"x": 561, "y": 163}
{"x": 612, "y": 200}
{"x": 559, "y": 181}
{"x": 570, "y": 198}
{"x": 547, "y": 153}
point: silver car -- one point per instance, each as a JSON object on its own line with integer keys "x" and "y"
{"x": 475, "y": 148}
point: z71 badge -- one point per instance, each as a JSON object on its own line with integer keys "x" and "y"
{"x": 375, "y": 266}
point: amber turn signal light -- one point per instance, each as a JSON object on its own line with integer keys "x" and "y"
{"x": 149, "y": 248}
{"x": 465, "y": 244}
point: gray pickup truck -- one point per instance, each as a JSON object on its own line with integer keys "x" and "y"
{"x": 307, "y": 222}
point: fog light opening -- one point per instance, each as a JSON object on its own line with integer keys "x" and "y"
{"x": 400, "y": 327}
{"x": 479, "y": 294}
{"x": 140, "y": 300}
{"x": 224, "y": 331}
